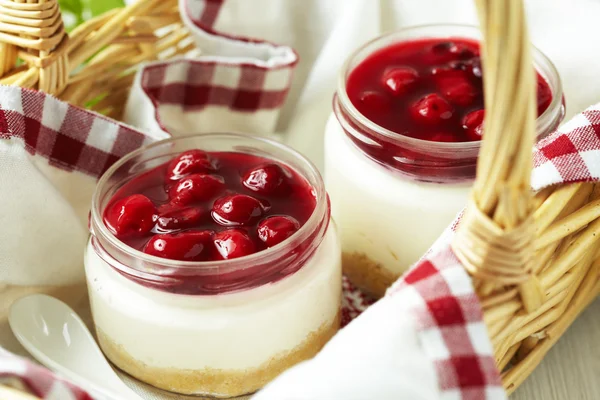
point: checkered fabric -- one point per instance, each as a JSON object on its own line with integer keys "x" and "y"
{"x": 449, "y": 317}
{"x": 23, "y": 375}
{"x": 76, "y": 140}
{"x": 68, "y": 137}
{"x": 248, "y": 78}
{"x": 450, "y": 326}
{"x": 196, "y": 84}
{"x": 258, "y": 78}
{"x": 447, "y": 312}
{"x": 571, "y": 154}
{"x": 354, "y": 302}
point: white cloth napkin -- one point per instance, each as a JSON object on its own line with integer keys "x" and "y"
{"x": 351, "y": 366}
{"x": 375, "y": 357}
{"x": 324, "y": 33}
{"x": 44, "y": 205}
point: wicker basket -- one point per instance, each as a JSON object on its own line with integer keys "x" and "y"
{"x": 533, "y": 256}
{"x": 95, "y": 64}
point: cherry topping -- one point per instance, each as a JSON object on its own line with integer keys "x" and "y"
{"x": 440, "y": 52}
{"x": 445, "y": 51}
{"x": 178, "y": 218}
{"x": 196, "y": 187}
{"x": 276, "y": 229}
{"x": 470, "y": 68}
{"x": 458, "y": 91}
{"x": 184, "y": 246}
{"x": 441, "y": 47}
{"x": 452, "y": 70}
{"x": 188, "y": 162}
{"x": 431, "y": 109}
{"x": 266, "y": 179}
{"x": 475, "y": 69}
{"x": 374, "y": 101}
{"x": 544, "y": 96}
{"x": 171, "y": 217}
{"x": 399, "y": 80}
{"x": 393, "y": 87}
{"x": 233, "y": 243}
{"x": 237, "y": 209}
{"x": 131, "y": 216}
{"x": 446, "y": 137}
{"x": 473, "y": 124}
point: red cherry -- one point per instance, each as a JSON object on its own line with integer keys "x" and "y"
{"x": 196, "y": 187}
{"x": 237, "y": 209}
{"x": 374, "y": 102}
{"x": 475, "y": 67}
{"x": 171, "y": 217}
{"x": 431, "y": 109}
{"x": 464, "y": 51}
{"x": 443, "y": 137}
{"x": 449, "y": 72}
{"x": 233, "y": 243}
{"x": 458, "y": 90}
{"x": 544, "y": 95}
{"x": 473, "y": 124}
{"x": 399, "y": 80}
{"x": 188, "y": 162}
{"x": 276, "y": 229}
{"x": 183, "y": 246}
{"x": 266, "y": 179}
{"x": 447, "y": 50}
{"x": 459, "y": 69}
{"x": 132, "y": 216}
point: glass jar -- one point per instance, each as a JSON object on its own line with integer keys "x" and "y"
{"x": 393, "y": 195}
{"x": 221, "y": 328}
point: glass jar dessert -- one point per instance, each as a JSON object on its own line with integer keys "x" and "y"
{"x": 402, "y": 142}
{"x": 212, "y": 265}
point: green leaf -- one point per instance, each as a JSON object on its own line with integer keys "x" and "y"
{"x": 97, "y": 7}
{"x": 73, "y": 6}
{"x": 72, "y": 11}
{"x": 75, "y": 12}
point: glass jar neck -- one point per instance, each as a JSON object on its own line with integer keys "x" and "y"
{"x": 210, "y": 277}
{"x": 418, "y": 159}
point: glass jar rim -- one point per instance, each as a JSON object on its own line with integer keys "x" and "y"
{"x": 97, "y": 225}
{"x": 543, "y": 120}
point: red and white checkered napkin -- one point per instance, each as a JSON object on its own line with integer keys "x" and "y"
{"x": 425, "y": 338}
{"x": 236, "y": 84}
{"x": 447, "y": 311}
{"x": 52, "y": 153}
{"x": 571, "y": 154}
{"x": 447, "y": 321}
{"x": 23, "y": 375}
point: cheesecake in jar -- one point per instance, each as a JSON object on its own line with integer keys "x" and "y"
{"x": 402, "y": 142}
{"x": 212, "y": 265}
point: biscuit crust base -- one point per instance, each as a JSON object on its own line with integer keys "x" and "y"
{"x": 367, "y": 274}
{"x": 212, "y": 382}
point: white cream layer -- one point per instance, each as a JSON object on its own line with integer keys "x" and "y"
{"x": 230, "y": 331}
{"x": 391, "y": 219}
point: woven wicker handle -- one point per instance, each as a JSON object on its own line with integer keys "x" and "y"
{"x": 96, "y": 61}
{"x": 34, "y": 32}
{"x": 495, "y": 238}
{"x": 534, "y": 258}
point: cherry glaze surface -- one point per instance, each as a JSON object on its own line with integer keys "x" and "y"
{"x": 206, "y": 206}
{"x": 426, "y": 89}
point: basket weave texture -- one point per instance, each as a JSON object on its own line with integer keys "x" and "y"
{"x": 95, "y": 64}
{"x": 534, "y": 257}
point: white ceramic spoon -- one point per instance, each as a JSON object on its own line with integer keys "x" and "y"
{"x": 55, "y": 335}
